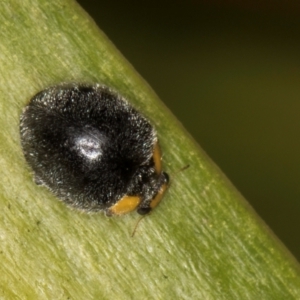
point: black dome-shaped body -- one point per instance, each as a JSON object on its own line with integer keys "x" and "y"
{"x": 90, "y": 147}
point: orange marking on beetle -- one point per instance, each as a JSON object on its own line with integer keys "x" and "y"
{"x": 125, "y": 205}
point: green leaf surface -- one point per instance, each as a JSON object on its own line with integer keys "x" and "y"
{"x": 202, "y": 242}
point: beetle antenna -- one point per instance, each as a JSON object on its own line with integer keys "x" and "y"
{"x": 142, "y": 217}
{"x": 175, "y": 174}
{"x": 136, "y": 225}
{"x": 181, "y": 170}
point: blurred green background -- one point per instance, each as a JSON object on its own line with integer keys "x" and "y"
{"x": 230, "y": 72}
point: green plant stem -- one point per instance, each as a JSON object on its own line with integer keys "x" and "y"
{"x": 202, "y": 242}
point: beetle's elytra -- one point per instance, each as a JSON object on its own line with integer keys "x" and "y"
{"x": 92, "y": 149}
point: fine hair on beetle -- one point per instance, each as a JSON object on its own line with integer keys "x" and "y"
{"x": 93, "y": 150}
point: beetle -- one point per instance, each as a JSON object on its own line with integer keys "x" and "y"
{"x": 92, "y": 149}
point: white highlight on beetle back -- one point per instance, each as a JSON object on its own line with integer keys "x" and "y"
{"x": 89, "y": 146}
{"x": 88, "y": 143}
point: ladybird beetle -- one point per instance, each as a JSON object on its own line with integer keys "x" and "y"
{"x": 92, "y": 149}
